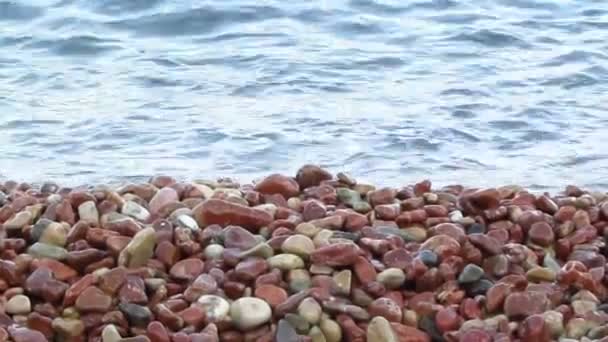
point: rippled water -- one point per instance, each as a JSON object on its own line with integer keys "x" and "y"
{"x": 469, "y": 91}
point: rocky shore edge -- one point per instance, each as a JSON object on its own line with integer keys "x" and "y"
{"x": 311, "y": 257}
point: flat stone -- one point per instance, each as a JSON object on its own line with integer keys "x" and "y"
{"x": 386, "y": 308}
{"x": 380, "y": 330}
{"x": 163, "y": 197}
{"x": 43, "y": 250}
{"x": 187, "y": 269}
{"x": 19, "y": 334}
{"x": 429, "y": 258}
{"x": 215, "y": 307}
{"x": 300, "y": 245}
{"x": 286, "y": 262}
{"x": 136, "y": 211}
{"x": 392, "y": 278}
{"x": 92, "y": 299}
{"x": 87, "y": 211}
{"x": 279, "y": 184}
{"x": 68, "y": 327}
{"x": 335, "y": 255}
{"x": 310, "y": 310}
{"x": 137, "y": 315}
{"x": 541, "y": 233}
{"x": 311, "y": 175}
{"x": 470, "y": 274}
{"x": 225, "y": 213}
{"x": 186, "y": 221}
{"x": 18, "y": 221}
{"x": 41, "y": 283}
{"x": 538, "y": 274}
{"x": 139, "y": 250}
{"x": 249, "y": 312}
{"x": 342, "y": 281}
{"x": 18, "y": 305}
{"x": 555, "y": 322}
{"x": 331, "y": 330}
{"x": 271, "y": 294}
{"x": 286, "y": 332}
{"x": 110, "y": 334}
{"x": 523, "y": 304}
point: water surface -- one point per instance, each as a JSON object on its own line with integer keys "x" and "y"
{"x": 469, "y": 91}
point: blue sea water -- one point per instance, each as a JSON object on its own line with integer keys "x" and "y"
{"x": 480, "y": 92}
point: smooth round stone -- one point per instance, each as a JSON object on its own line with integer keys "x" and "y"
{"x": 331, "y": 330}
{"x": 307, "y": 229}
{"x": 214, "y": 251}
{"x": 286, "y": 332}
{"x": 163, "y": 197}
{"x": 555, "y": 321}
{"x": 18, "y": 221}
{"x": 136, "y": 211}
{"x": 299, "y": 280}
{"x": 299, "y": 245}
{"x": 137, "y": 315}
{"x": 310, "y": 310}
{"x": 68, "y": 327}
{"x": 316, "y": 334}
{"x": 18, "y": 305}
{"x": 215, "y": 307}
{"x": 187, "y": 269}
{"x": 286, "y": 262}
{"x": 299, "y": 323}
{"x": 342, "y": 282}
{"x": 249, "y": 312}
{"x": 471, "y": 273}
{"x": 476, "y": 228}
{"x": 43, "y": 250}
{"x": 392, "y": 277}
{"x": 110, "y": 334}
{"x": 55, "y": 234}
{"x": 583, "y": 307}
{"x": 262, "y": 250}
{"x": 186, "y": 221}
{"x": 415, "y": 234}
{"x": 479, "y": 287}
{"x": 429, "y": 258}
{"x": 550, "y": 263}
{"x": 380, "y": 330}
{"x": 538, "y": 274}
{"x": 87, "y": 211}
{"x": 139, "y": 250}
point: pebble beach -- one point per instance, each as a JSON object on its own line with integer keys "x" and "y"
{"x": 314, "y": 256}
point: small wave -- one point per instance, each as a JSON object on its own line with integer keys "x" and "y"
{"x": 491, "y": 38}
{"x": 13, "y": 11}
{"x": 75, "y": 46}
{"x": 195, "y": 21}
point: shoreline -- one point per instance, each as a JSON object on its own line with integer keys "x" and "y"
{"x": 308, "y": 257}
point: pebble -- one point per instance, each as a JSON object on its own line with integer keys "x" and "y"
{"x": 18, "y": 305}
{"x": 249, "y": 312}
{"x": 135, "y": 211}
{"x": 286, "y": 262}
{"x": 304, "y": 258}
{"x": 428, "y": 258}
{"x": 310, "y": 310}
{"x": 43, "y": 250}
{"x": 139, "y": 250}
{"x": 215, "y": 307}
{"x": 87, "y": 211}
{"x": 331, "y": 330}
{"x": 470, "y": 274}
{"x": 300, "y": 245}
{"x": 380, "y": 330}
{"x": 392, "y": 278}
{"x": 92, "y": 299}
